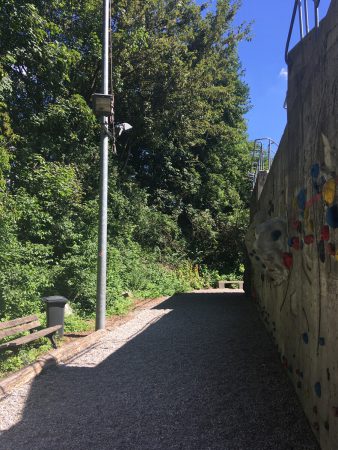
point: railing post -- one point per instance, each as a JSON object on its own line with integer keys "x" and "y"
{"x": 300, "y": 12}
{"x": 316, "y": 3}
{"x": 306, "y": 13}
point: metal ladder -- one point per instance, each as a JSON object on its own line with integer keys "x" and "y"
{"x": 261, "y": 158}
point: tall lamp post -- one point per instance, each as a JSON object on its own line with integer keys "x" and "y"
{"x": 103, "y": 106}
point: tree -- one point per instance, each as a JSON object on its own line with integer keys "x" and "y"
{"x": 178, "y": 180}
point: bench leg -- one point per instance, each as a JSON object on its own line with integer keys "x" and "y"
{"x": 52, "y": 340}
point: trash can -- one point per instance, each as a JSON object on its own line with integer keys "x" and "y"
{"x": 56, "y": 311}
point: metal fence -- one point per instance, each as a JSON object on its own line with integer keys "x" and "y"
{"x": 302, "y": 8}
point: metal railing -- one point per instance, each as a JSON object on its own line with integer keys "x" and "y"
{"x": 261, "y": 157}
{"x": 302, "y": 7}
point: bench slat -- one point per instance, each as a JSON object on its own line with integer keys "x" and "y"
{"x": 30, "y": 337}
{"x": 19, "y": 329}
{"x": 15, "y": 322}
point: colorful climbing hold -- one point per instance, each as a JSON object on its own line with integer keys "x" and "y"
{"x": 275, "y": 235}
{"x": 318, "y": 389}
{"x": 321, "y": 341}
{"x": 301, "y": 199}
{"x": 305, "y": 337}
{"x": 309, "y": 239}
{"x": 325, "y": 233}
{"x": 287, "y": 260}
{"x": 295, "y": 243}
{"x": 308, "y": 222}
{"x": 315, "y": 170}
{"x": 332, "y": 216}
{"x": 329, "y": 191}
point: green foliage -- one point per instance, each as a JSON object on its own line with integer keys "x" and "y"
{"x": 10, "y": 361}
{"x": 178, "y": 184}
{"x": 75, "y": 322}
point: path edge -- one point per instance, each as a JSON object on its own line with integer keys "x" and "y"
{"x": 51, "y": 358}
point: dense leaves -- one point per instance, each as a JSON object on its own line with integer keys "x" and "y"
{"x": 178, "y": 187}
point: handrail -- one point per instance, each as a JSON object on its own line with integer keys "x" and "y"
{"x": 261, "y": 157}
{"x": 299, "y": 6}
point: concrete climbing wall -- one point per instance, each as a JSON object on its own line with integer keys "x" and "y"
{"x": 293, "y": 237}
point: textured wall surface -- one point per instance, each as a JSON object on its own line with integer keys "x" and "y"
{"x": 293, "y": 237}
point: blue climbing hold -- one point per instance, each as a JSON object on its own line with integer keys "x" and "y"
{"x": 332, "y": 216}
{"x": 318, "y": 389}
{"x": 305, "y": 337}
{"x": 321, "y": 341}
{"x": 315, "y": 170}
{"x": 275, "y": 235}
{"x": 301, "y": 199}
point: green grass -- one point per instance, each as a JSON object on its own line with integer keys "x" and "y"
{"x": 11, "y": 361}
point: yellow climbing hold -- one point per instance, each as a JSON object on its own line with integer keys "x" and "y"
{"x": 329, "y": 191}
{"x": 308, "y": 222}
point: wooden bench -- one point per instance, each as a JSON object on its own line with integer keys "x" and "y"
{"x": 28, "y": 323}
{"x": 222, "y": 284}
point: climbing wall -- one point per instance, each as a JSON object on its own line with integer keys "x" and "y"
{"x": 293, "y": 237}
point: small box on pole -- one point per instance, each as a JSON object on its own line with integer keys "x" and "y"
{"x": 103, "y": 104}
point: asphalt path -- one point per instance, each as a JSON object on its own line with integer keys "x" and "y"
{"x": 197, "y": 371}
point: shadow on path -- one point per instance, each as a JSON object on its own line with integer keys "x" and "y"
{"x": 205, "y": 376}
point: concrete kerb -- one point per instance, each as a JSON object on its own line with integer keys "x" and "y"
{"x": 52, "y": 358}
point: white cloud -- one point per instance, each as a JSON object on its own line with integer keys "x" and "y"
{"x": 283, "y": 73}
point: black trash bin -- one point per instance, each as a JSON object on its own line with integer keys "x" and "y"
{"x": 56, "y": 312}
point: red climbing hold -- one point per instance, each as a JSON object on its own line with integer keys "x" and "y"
{"x": 295, "y": 243}
{"x": 287, "y": 260}
{"x": 309, "y": 239}
{"x": 325, "y": 233}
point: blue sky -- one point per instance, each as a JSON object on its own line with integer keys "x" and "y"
{"x": 263, "y": 61}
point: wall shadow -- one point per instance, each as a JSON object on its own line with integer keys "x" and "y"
{"x": 204, "y": 376}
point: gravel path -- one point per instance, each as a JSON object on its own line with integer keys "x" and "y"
{"x": 197, "y": 372}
